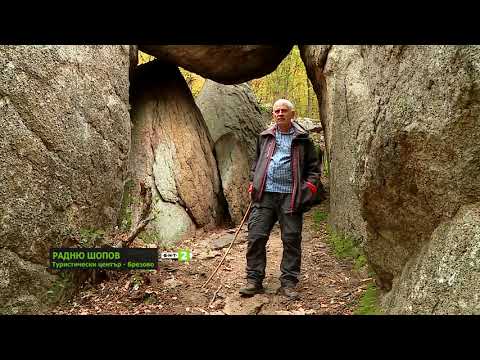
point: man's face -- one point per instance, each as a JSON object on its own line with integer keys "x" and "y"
{"x": 282, "y": 114}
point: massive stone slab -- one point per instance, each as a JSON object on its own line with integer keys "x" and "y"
{"x": 227, "y": 64}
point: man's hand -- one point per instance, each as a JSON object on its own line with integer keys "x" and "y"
{"x": 312, "y": 187}
{"x": 250, "y": 190}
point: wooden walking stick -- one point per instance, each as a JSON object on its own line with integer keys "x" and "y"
{"x": 224, "y": 256}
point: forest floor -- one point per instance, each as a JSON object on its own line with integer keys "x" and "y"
{"x": 328, "y": 285}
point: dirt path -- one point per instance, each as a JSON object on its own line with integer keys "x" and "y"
{"x": 327, "y": 286}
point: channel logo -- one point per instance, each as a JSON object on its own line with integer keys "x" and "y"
{"x": 182, "y": 255}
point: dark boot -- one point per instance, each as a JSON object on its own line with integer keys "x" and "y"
{"x": 289, "y": 292}
{"x": 251, "y": 289}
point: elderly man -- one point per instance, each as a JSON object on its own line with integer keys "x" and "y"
{"x": 284, "y": 179}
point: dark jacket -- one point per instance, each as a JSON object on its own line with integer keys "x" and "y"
{"x": 305, "y": 167}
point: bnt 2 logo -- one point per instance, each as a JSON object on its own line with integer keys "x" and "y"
{"x": 182, "y": 255}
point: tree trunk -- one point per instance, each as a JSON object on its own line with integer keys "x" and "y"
{"x": 309, "y": 100}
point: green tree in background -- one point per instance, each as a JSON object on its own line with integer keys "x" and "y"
{"x": 144, "y": 58}
{"x": 288, "y": 81}
{"x": 194, "y": 81}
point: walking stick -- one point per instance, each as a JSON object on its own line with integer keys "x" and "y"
{"x": 224, "y": 256}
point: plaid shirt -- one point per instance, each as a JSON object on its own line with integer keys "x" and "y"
{"x": 279, "y": 173}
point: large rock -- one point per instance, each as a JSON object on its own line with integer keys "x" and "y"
{"x": 172, "y": 154}
{"x": 340, "y": 116}
{"x": 313, "y": 126}
{"x": 444, "y": 278}
{"x": 23, "y": 284}
{"x": 64, "y": 142}
{"x": 227, "y": 64}
{"x": 133, "y": 55}
{"x": 234, "y": 121}
{"x": 410, "y": 114}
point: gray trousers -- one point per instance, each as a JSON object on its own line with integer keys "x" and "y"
{"x": 264, "y": 215}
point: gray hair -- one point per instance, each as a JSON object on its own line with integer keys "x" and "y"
{"x": 285, "y": 102}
